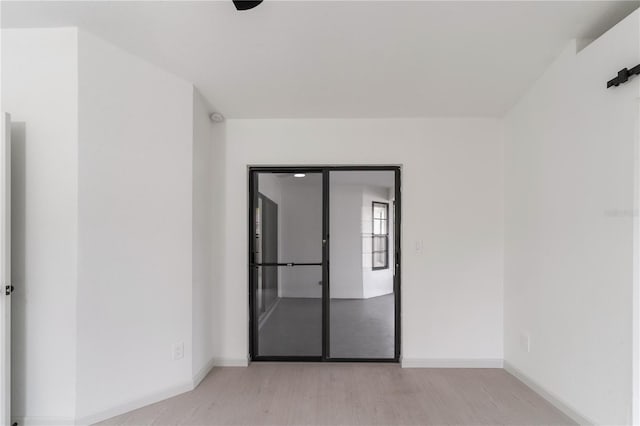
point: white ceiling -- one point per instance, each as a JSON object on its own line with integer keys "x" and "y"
{"x": 289, "y": 59}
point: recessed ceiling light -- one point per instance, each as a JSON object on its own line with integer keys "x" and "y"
{"x": 299, "y": 175}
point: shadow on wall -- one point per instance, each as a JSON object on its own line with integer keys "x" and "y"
{"x": 18, "y": 270}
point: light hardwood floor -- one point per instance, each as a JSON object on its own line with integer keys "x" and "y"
{"x": 351, "y": 394}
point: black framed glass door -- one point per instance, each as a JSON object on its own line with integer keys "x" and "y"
{"x": 313, "y": 298}
{"x": 287, "y": 264}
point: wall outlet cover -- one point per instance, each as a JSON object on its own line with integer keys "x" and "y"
{"x": 525, "y": 341}
{"x": 177, "y": 351}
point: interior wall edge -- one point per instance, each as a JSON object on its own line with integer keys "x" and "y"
{"x": 204, "y": 372}
{"x": 552, "y": 398}
{"x": 204, "y": 261}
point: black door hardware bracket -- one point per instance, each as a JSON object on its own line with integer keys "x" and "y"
{"x": 623, "y": 76}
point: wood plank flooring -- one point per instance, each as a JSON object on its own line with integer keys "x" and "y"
{"x": 351, "y": 394}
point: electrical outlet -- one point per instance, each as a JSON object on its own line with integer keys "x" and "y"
{"x": 178, "y": 351}
{"x": 525, "y": 341}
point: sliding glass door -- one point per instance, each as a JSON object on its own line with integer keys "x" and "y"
{"x": 324, "y": 276}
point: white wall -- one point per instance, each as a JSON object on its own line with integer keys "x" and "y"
{"x": 452, "y": 200}
{"x": 570, "y": 214}
{"x": 301, "y": 236}
{"x": 299, "y": 203}
{"x": 40, "y": 90}
{"x": 345, "y": 254}
{"x": 135, "y": 229}
{"x": 350, "y": 222}
{"x": 203, "y": 233}
{"x": 217, "y": 187}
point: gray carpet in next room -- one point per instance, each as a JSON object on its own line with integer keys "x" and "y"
{"x": 360, "y": 328}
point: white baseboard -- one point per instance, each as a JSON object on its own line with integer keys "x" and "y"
{"x": 549, "y": 396}
{"x": 135, "y": 404}
{"x": 451, "y": 363}
{"x": 230, "y": 362}
{"x": 43, "y": 421}
{"x": 200, "y": 375}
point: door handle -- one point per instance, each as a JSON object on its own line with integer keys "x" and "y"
{"x": 8, "y": 289}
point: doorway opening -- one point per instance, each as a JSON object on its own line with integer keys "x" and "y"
{"x": 324, "y": 263}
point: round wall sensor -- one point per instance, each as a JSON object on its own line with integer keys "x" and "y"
{"x": 216, "y": 117}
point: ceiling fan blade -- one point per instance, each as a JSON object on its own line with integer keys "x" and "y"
{"x": 246, "y": 4}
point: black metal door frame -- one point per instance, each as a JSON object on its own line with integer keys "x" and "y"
{"x": 326, "y": 299}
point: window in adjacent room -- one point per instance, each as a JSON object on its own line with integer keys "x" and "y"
{"x": 380, "y": 237}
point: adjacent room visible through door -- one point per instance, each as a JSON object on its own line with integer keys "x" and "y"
{"x": 324, "y": 263}
{"x": 361, "y": 277}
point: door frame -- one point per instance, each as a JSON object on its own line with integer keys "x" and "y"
{"x": 6, "y": 288}
{"x": 252, "y": 276}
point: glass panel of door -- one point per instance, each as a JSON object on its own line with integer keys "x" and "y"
{"x": 288, "y": 264}
{"x": 362, "y": 275}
